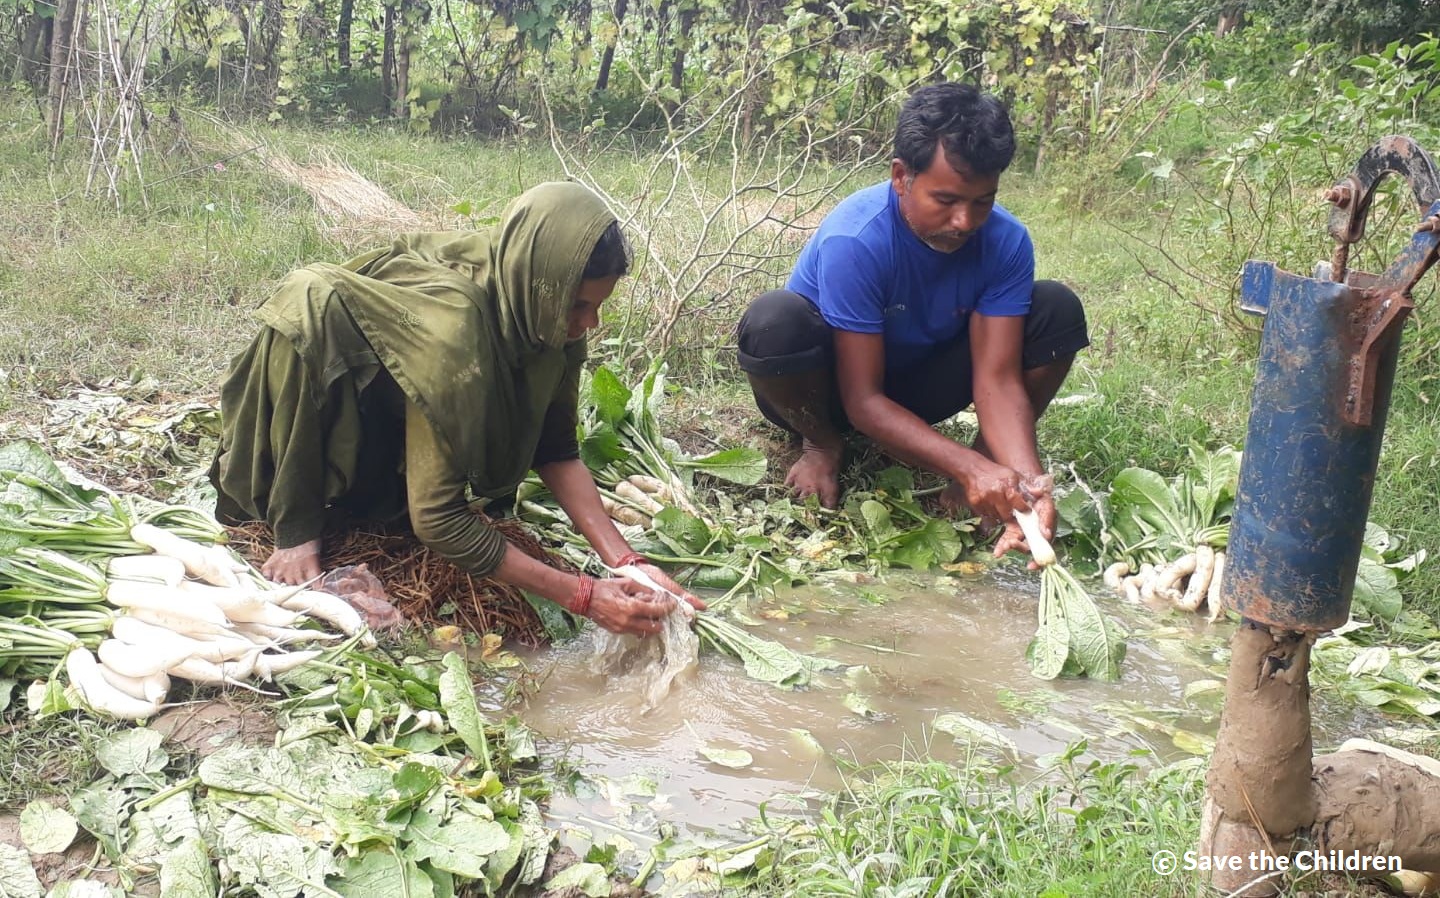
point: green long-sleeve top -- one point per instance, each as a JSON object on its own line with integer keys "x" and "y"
{"x": 471, "y": 328}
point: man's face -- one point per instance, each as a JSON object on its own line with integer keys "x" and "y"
{"x": 585, "y": 310}
{"x": 941, "y": 205}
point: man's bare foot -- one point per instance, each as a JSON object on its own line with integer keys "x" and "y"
{"x": 817, "y": 473}
{"x": 295, "y": 565}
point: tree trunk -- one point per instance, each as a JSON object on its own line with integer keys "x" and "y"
{"x": 602, "y": 81}
{"x": 272, "y": 30}
{"x": 30, "y": 66}
{"x": 1232, "y": 18}
{"x": 405, "y": 28}
{"x": 63, "y": 70}
{"x": 387, "y": 59}
{"x": 677, "y": 62}
{"x": 342, "y": 35}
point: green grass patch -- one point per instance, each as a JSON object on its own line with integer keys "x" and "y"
{"x": 926, "y": 828}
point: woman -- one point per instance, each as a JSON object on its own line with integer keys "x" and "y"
{"x": 450, "y": 361}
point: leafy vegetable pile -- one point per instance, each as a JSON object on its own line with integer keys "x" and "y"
{"x": 725, "y": 541}
{"x": 354, "y": 798}
{"x": 82, "y": 569}
{"x": 383, "y": 780}
{"x": 1161, "y": 542}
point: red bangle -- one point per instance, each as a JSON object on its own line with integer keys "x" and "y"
{"x": 631, "y": 558}
{"x": 584, "y": 591}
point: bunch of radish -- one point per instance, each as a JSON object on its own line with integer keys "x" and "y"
{"x": 1186, "y": 583}
{"x": 638, "y": 498}
{"x": 194, "y": 612}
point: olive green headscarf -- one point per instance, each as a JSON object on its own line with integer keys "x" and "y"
{"x": 472, "y": 325}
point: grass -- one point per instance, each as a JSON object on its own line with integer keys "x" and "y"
{"x": 928, "y": 829}
{"x": 46, "y": 758}
{"x": 923, "y": 828}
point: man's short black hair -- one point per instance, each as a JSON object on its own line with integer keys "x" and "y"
{"x": 974, "y": 126}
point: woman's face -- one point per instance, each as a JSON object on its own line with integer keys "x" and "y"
{"x": 585, "y": 310}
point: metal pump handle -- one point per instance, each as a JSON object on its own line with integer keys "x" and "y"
{"x": 1386, "y": 298}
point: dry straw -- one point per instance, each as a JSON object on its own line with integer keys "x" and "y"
{"x": 425, "y": 587}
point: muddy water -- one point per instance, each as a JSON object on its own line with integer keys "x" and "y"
{"x": 917, "y": 655}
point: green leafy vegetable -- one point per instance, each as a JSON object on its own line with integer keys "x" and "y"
{"x": 1072, "y": 631}
{"x": 46, "y": 829}
{"x": 457, "y": 697}
{"x": 17, "y": 874}
{"x": 764, "y": 659}
{"x": 459, "y": 845}
{"x": 590, "y": 879}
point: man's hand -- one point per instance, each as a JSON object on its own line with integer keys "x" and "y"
{"x": 1036, "y": 489}
{"x": 663, "y": 580}
{"x": 992, "y": 491}
{"x": 624, "y": 606}
{"x": 1013, "y": 538}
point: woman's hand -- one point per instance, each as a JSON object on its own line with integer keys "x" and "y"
{"x": 665, "y": 582}
{"x": 624, "y": 606}
{"x": 295, "y": 565}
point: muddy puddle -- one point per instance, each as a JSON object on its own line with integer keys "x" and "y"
{"x": 933, "y": 665}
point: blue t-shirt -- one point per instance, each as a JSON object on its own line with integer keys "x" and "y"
{"x": 866, "y": 271}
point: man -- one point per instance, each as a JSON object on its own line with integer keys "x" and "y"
{"x": 914, "y": 298}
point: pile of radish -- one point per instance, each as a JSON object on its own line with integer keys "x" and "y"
{"x": 1186, "y": 583}
{"x": 184, "y": 610}
{"x": 638, "y": 498}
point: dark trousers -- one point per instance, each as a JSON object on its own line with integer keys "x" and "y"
{"x": 782, "y": 333}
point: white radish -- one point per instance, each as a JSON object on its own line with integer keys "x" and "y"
{"x": 1115, "y": 575}
{"x": 624, "y": 514}
{"x": 268, "y": 665}
{"x": 1149, "y": 579}
{"x": 137, "y": 662}
{"x": 264, "y": 613}
{"x": 653, "y": 486}
{"x": 267, "y": 635}
{"x": 230, "y": 673}
{"x": 1040, "y": 548}
{"x": 1130, "y": 586}
{"x": 176, "y": 623}
{"x": 331, "y": 609}
{"x": 140, "y": 633}
{"x": 634, "y": 573}
{"x": 209, "y": 563}
{"x": 226, "y": 598}
{"x": 1169, "y": 577}
{"x": 159, "y": 568}
{"x": 170, "y": 600}
{"x": 1199, "y": 580}
{"x": 153, "y": 688}
{"x": 1214, "y": 596}
{"x": 85, "y": 676}
{"x": 632, "y": 493}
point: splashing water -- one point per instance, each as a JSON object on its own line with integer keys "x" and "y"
{"x": 653, "y": 662}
